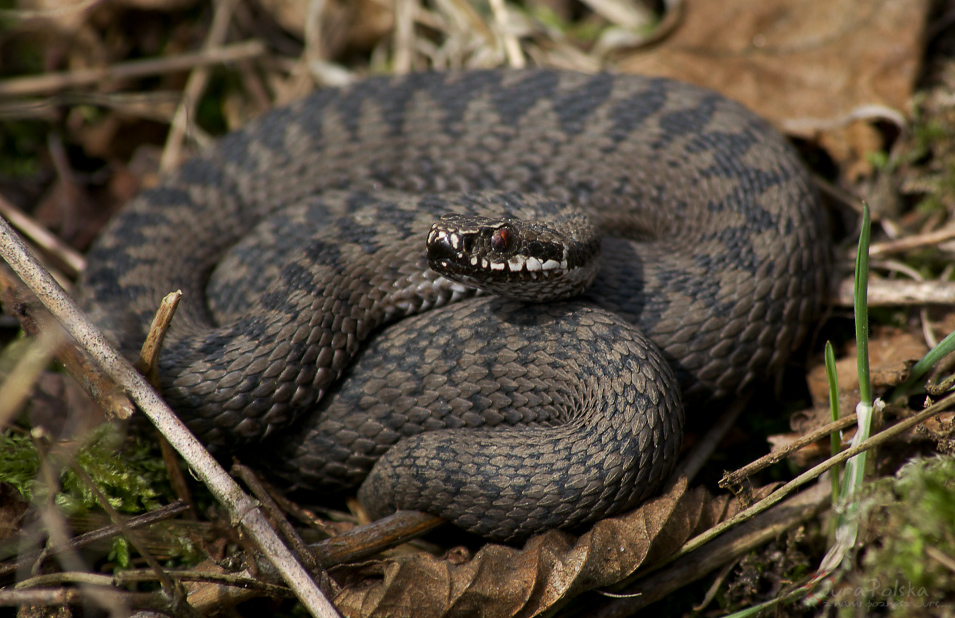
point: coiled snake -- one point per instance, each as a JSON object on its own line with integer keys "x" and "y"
{"x": 307, "y": 229}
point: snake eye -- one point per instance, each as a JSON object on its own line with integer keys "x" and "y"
{"x": 502, "y": 239}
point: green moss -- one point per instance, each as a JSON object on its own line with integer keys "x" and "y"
{"x": 129, "y": 473}
{"x": 19, "y": 462}
{"x": 910, "y": 518}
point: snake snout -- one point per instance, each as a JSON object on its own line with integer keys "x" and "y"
{"x": 443, "y": 249}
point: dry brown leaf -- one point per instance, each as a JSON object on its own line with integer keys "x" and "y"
{"x": 551, "y": 568}
{"x": 889, "y": 351}
{"x": 803, "y": 64}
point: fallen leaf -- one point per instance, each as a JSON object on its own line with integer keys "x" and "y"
{"x": 551, "y": 568}
{"x": 806, "y": 65}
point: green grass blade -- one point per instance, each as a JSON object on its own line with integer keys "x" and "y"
{"x": 861, "y": 308}
{"x": 847, "y": 522}
{"x": 835, "y": 439}
{"x": 944, "y": 348}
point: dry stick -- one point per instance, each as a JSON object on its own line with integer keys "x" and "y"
{"x": 405, "y": 11}
{"x": 195, "y": 86}
{"x": 27, "y": 15}
{"x": 65, "y": 256}
{"x": 352, "y": 546}
{"x": 374, "y": 538}
{"x": 73, "y": 596}
{"x": 146, "y": 519}
{"x": 884, "y": 293}
{"x": 52, "y": 82}
{"x": 147, "y": 364}
{"x": 737, "y": 477}
{"x": 17, "y": 387}
{"x": 242, "y": 509}
{"x": 287, "y": 530}
{"x": 35, "y": 319}
{"x": 876, "y": 440}
{"x": 911, "y": 242}
{"x": 132, "y": 576}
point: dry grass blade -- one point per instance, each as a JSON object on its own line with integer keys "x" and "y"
{"x": 195, "y": 87}
{"x": 18, "y": 385}
{"x": 52, "y": 82}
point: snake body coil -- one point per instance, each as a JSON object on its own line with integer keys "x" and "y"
{"x": 299, "y": 245}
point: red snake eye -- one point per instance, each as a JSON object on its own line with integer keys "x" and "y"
{"x": 501, "y": 240}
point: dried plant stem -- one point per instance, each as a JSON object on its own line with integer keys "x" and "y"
{"x": 146, "y": 519}
{"x": 66, "y": 257}
{"x": 876, "y": 440}
{"x": 243, "y": 510}
{"x": 68, "y": 596}
{"x": 54, "y": 82}
{"x": 512, "y": 47}
{"x": 195, "y": 86}
{"x": 909, "y": 243}
{"x": 883, "y": 293}
{"x": 271, "y": 508}
{"x": 352, "y": 546}
{"x": 735, "y": 478}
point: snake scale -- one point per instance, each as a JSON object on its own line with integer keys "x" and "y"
{"x": 313, "y": 336}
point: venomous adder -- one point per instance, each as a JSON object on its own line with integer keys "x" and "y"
{"x": 313, "y": 335}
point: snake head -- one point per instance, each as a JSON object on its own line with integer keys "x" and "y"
{"x": 525, "y": 260}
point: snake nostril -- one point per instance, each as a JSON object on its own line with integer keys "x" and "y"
{"x": 441, "y": 248}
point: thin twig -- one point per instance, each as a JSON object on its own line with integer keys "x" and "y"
{"x": 147, "y": 363}
{"x": 65, "y": 256}
{"x": 52, "y": 82}
{"x": 146, "y": 519}
{"x": 121, "y": 578}
{"x": 917, "y": 241}
{"x": 512, "y": 46}
{"x": 18, "y": 384}
{"x": 357, "y": 544}
{"x": 735, "y": 478}
{"x": 876, "y": 440}
{"x": 23, "y": 15}
{"x": 74, "y": 596}
{"x": 404, "y": 35}
{"x": 59, "y": 534}
{"x": 242, "y": 509}
{"x": 285, "y": 528}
